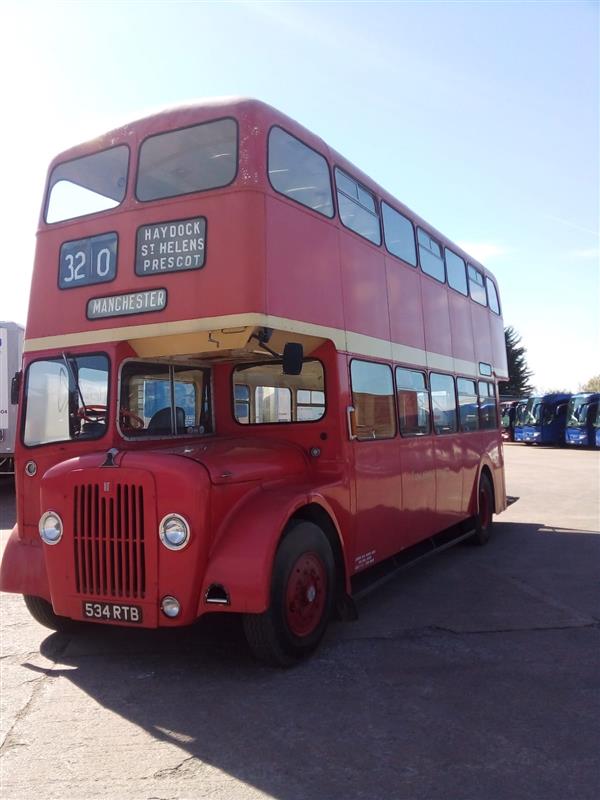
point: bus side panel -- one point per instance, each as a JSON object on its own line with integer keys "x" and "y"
{"x": 364, "y": 290}
{"x": 303, "y": 270}
{"x": 436, "y": 316}
{"x": 481, "y": 334}
{"x": 461, "y": 328}
{"x": 406, "y": 319}
{"x": 498, "y": 346}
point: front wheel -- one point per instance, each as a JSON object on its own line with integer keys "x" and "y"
{"x": 42, "y": 612}
{"x": 302, "y": 593}
{"x": 485, "y": 510}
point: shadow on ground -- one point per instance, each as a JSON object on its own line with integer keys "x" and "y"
{"x": 472, "y": 676}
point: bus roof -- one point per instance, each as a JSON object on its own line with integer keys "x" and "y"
{"x": 201, "y": 110}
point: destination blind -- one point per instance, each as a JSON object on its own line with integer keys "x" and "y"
{"x": 173, "y": 246}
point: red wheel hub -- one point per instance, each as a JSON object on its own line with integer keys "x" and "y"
{"x": 305, "y": 594}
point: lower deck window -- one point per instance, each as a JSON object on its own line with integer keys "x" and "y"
{"x": 443, "y": 401}
{"x": 413, "y": 402}
{"x": 263, "y": 394}
{"x": 467, "y": 405}
{"x": 164, "y": 400}
{"x": 487, "y": 406}
{"x": 373, "y": 400}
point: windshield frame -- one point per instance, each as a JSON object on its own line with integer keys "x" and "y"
{"x": 171, "y": 437}
{"x": 60, "y": 358}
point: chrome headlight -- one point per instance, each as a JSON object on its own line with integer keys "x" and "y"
{"x": 50, "y": 527}
{"x": 174, "y": 532}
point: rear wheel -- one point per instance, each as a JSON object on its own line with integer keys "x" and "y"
{"x": 485, "y": 510}
{"x": 42, "y": 612}
{"x": 302, "y": 593}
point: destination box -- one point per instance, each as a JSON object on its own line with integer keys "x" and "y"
{"x": 175, "y": 246}
{"x": 120, "y": 305}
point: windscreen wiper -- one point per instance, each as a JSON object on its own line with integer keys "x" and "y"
{"x": 75, "y": 381}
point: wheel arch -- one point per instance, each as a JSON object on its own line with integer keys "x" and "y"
{"x": 242, "y": 560}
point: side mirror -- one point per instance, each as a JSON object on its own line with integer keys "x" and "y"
{"x": 15, "y": 388}
{"x": 293, "y": 356}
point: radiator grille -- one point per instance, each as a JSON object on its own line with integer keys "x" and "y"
{"x": 109, "y": 541}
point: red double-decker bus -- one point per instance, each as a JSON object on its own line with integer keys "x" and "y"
{"x": 250, "y": 376}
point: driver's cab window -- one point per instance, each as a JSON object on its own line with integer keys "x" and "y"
{"x": 164, "y": 400}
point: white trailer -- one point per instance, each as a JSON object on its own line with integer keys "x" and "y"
{"x": 11, "y": 348}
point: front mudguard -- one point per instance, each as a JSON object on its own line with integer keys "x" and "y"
{"x": 242, "y": 558}
{"x": 23, "y": 568}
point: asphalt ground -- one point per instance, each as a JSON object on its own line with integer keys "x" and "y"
{"x": 475, "y": 675}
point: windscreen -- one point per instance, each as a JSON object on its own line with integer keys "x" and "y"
{"x": 577, "y": 412}
{"x": 66, "y": 399}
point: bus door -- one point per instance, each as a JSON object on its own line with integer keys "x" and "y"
{"x": 377, "y": 478}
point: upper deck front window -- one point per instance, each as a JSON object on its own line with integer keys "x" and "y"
{"x": 299, "y": 172}
{"x": 188, "y": 160}
{"x": 87, "y": 185}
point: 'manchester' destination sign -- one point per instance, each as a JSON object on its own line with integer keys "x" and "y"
{"x": 118, "y": 305}
{"x": 171, "y": 246}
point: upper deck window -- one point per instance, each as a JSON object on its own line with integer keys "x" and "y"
{"x": 299, "y": 172}
{"x": 399, "y": 235}
{"x": 492, "y": 296}
{"x": 457, "y": 275}
{"x": 430, "y": 256}
{"x": 358, "y": 210}
{"x": 476, "y": 286}
{"x": 188, "y": 160}
{"x": 88, "y": 184}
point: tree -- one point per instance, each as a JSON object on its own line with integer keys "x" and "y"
{"x": 519, "y": 374}
{"x": 593, "y": 385}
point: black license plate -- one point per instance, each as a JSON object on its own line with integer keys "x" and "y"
{"x": 112, "y": 612}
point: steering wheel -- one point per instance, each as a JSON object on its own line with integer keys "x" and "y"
{"x": 130, "y": 420}
{"x": 93, "y": 413}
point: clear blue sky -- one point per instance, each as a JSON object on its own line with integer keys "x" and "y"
{"x": 482, "y": 117}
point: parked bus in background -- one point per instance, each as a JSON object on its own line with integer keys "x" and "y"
{"x": 545, "y": 419}
{"x": 11, "y": 348}
{"x": 519, "y": 423}
{"x": 267, "y": 376}
{"x": 508, "y": 410}
{"x": 582, "y": 412}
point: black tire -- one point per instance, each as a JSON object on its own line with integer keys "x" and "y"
{"x": 304, "y": 560}
{"x": 485, "y": 511}
{"x": 42, "y": 612}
